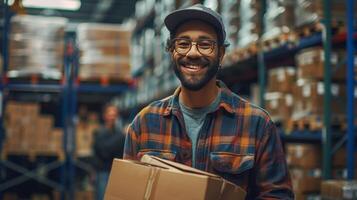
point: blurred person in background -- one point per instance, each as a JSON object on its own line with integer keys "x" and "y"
{"x": 204, "y": 124}
{"x": 108, "y": 144}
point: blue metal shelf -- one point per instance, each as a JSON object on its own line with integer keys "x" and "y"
{"x": 34, "y": 87}
{"x": 302, "y": 136}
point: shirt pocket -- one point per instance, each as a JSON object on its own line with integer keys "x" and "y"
{"x": 165, "y": 154}
{"x": 231, "y": 163}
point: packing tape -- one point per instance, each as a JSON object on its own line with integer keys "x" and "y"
{"x": 150, "y": 183}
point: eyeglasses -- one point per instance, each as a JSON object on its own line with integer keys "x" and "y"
{"x": 183, "y": 45}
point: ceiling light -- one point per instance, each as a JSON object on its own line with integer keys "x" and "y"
{"x": 58, "y": 4}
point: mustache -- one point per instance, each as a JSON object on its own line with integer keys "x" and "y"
{"x": 187, "y": 61}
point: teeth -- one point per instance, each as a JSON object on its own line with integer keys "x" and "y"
{"x": 193, "y": 66}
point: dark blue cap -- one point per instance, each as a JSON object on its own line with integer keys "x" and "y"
{"x": 197, "y": 12}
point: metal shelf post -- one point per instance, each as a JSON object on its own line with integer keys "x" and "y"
{"x": 350, "y": 90}
{"x": 326, "y": 132}
{"x": 261, "y": 60}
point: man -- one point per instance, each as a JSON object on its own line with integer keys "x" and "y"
{"x": 203, "y": 124}
{"x": 108, "y": 143}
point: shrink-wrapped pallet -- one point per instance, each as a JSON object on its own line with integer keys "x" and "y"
{"x": 36, "y": 45}
{"x": 104, "y": 51}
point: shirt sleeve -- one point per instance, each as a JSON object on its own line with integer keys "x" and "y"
{"x": 131, "y": 143}
{"x": 272, "y": 178}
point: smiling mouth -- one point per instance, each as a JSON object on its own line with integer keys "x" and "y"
{"x": 193, "y": 67}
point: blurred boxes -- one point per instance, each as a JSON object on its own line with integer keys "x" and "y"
{"x": 84, "y": 138}
{"x": 310, "y": 64}
{"x": 85, "y": 127}
{"x": 28, "y": 130}
{"x": 281, "y": 79}
{"x": 104, "y": 51}
{"x": 339, "y": 189}
{"x": 309, "y": 11}
{"x": 36, "y": 45}
{"x": 279, "y": 18}
{"x": 306, "y": 181}
{"x": 279, "y": 106}
{"x": 309, "y": 95}
{"x": 279, "y": 99}
{"x": 304, "y": 156}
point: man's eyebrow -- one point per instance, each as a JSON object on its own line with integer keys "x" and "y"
{"x": 205, "y": 37}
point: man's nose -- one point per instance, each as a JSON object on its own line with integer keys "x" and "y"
{"x": 193, "y": 52}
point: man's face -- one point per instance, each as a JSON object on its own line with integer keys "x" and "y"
{"x": 194, "y": 69}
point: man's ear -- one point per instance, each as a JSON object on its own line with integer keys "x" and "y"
{"x": 222, "y": 51}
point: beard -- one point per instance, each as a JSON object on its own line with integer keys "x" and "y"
{"x": 192, "y": 82}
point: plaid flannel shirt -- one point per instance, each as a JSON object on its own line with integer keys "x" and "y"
{"x": 238, "y": 141}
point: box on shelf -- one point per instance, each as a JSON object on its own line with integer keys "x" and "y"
{"x": 36, "y": 44}
{"x": 339, "y": 189}
{"x": 279, "y": 106}
{"x": 155, "y": 178}
{"x": 310, "y": 64}
{"x": 311, "y": 11}
{"x": 309, "y": 95}
{"x": 305, "y": 180}
{"x": 281, "y": 79}
{"x": 104, "y": 51}
{"x": 279, "y": 18}
{"x": 28, "y": 130}
{"x": 304, "y": 156}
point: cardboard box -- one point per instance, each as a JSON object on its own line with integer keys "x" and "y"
{"x": 306, "y": 156}
{"x": 310, "y": 64}
{"x": 158, "y": 179}
{"x": 339, "y": 189}
{"x": 305, "y": 181}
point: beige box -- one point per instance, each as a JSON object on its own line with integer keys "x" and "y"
{"x": 339, "y": 189}
{"x": 306, "y": 156}
{"x": 158, "y": 179}
{"x": 305, "y": 180}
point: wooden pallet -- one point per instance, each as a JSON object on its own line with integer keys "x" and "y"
{"x": 105, "y": 80}
{"x": 309, "y": 29}
{"x": 276, "y": 41}
{"x": 245, "y": 53}
{"x": 315, "y": 123}
{"x": 32, "y": 154}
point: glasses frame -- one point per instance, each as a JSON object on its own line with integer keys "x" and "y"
{"x": 214, "y": 43}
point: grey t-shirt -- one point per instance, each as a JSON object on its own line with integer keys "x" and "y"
{"x": 194, "y": 119}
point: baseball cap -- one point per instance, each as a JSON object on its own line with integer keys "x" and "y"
{"x": 198, "y": 12}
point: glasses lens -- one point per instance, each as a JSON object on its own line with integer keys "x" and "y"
{"x": 205, "y": 46}
{"x": 182, "y": 46}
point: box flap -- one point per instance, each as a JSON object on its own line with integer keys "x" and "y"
{"x": 174, "y": 165}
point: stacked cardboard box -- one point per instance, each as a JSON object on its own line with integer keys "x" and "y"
{"x": 304, "y": 161}
{"x": 36, "y": 45}
{"x": 307, "y": 11}
{"x": 28, "y": 130}
{"x": 279, "y": 97}
{"x": 104, "y": 51}
{"x": 242, "y": 21}
{"x": 279, "y": 18}
{"x": 309, "y": 93}
{"x": 310, "y": 63}
{"x": 87, "y": 124}
{"x": 339, "y": 189}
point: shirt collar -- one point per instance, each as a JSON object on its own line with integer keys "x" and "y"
{"x": 226, "y": 101}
